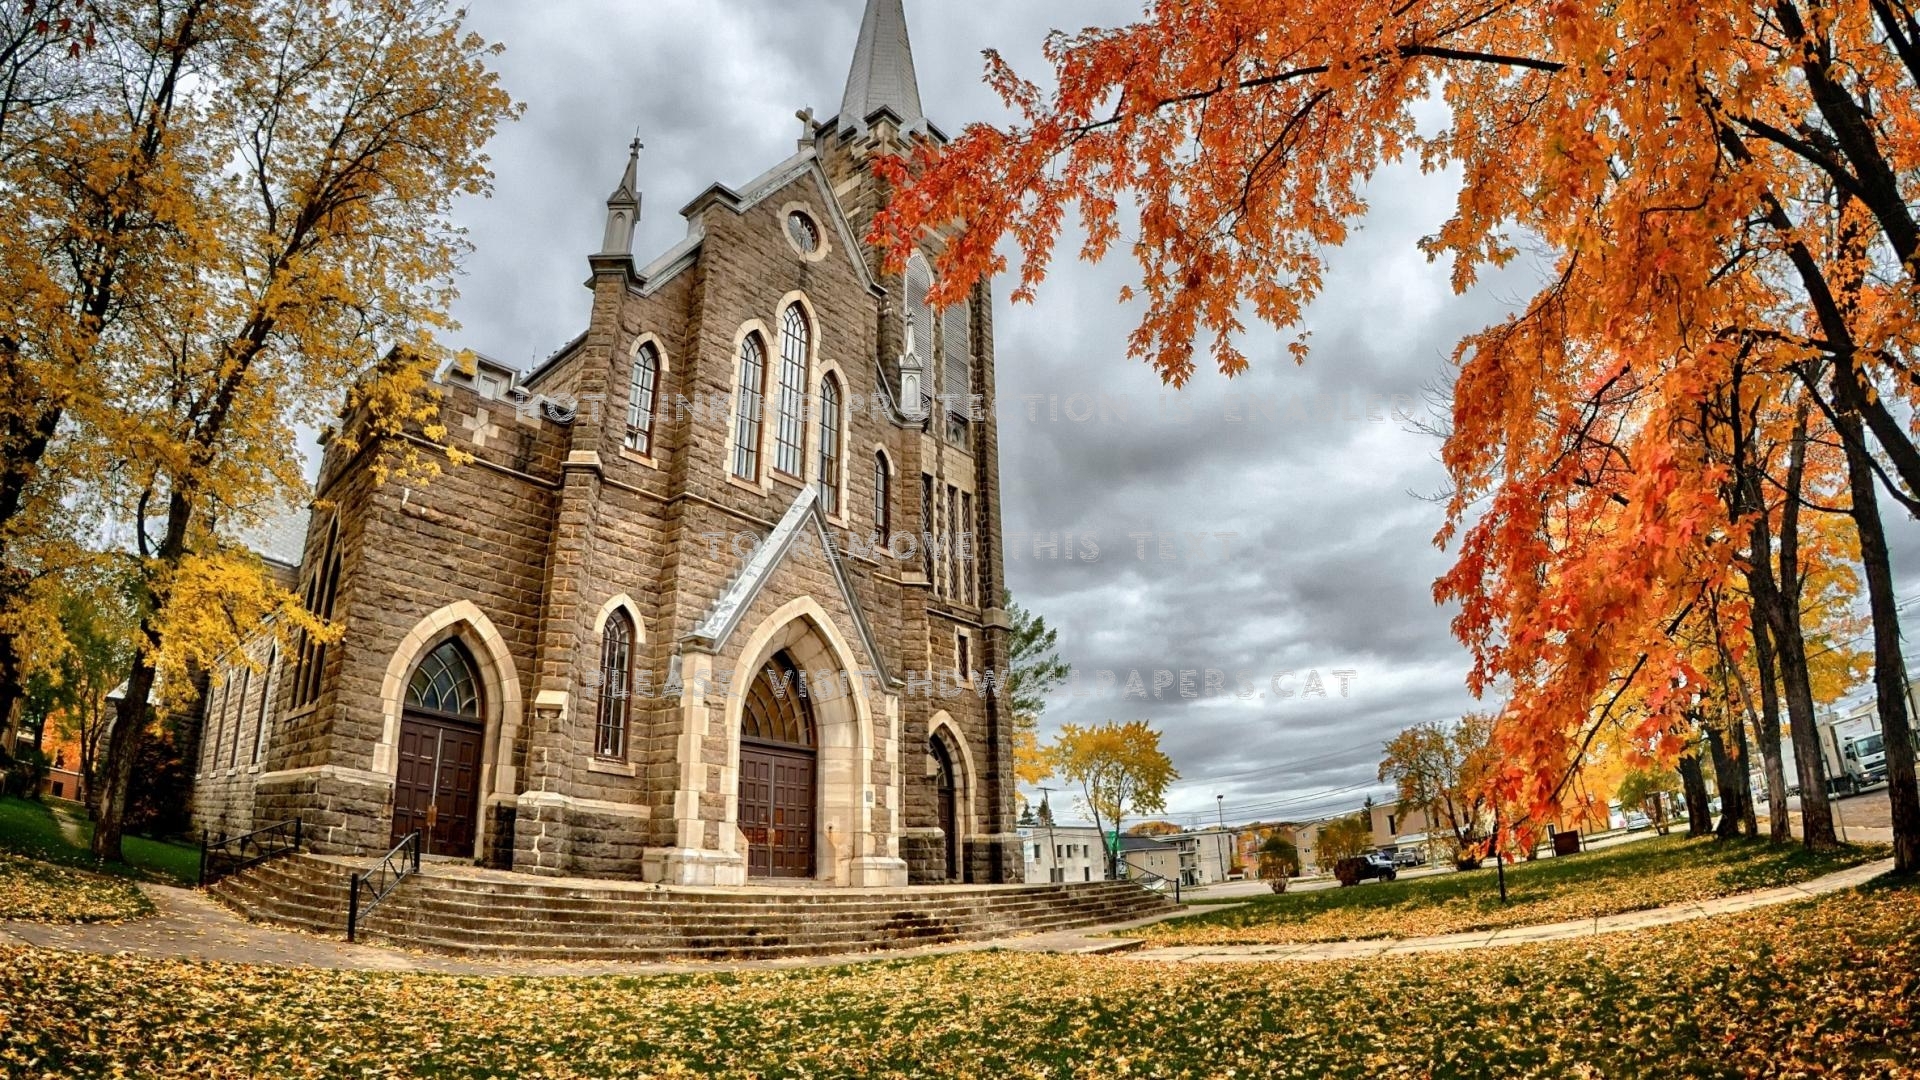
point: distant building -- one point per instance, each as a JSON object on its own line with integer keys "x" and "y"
{"x": 1393, "y": 830}
{"x": 1062, "y": 853}
{"x": 1303, "y": 836}
{"x": 1217, "y": 854}
{"x": 63, "y": 764}
{"x": 1169, "y": 857}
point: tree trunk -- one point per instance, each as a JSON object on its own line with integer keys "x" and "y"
{"x": 123, "y": 748}
{"x": 1741, "y": 753}
{"x": 1889, "y": 669}
{"x": 1782, "y": 606}
{"x": 1724, "y": 770}
{"x": 1767, "y": 725}
{"x": 1699, "y": 807}
{"x": 130, "y": 721}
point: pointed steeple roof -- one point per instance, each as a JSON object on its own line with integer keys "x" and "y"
{"x": 623, "y": 206}
{"x": 882, "y": 76}
{"x": 628, "y": 193}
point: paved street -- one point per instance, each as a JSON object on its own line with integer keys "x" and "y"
{"x": 1866, "y": 818}
{"x": 1243, "y": 889}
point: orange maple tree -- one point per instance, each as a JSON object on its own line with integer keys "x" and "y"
{"x": 1723, "y": 186}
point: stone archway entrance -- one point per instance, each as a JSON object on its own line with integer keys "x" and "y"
{"x": 947, "y": 798}
{"x": 779, "y": 769}
{"x": 442, "y": 742}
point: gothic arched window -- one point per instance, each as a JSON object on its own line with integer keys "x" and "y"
{"x": 746, "y": 421}
{"x": 830, "y": 428}
{"x": 643, "y": 395}
{"x": 882, "y": 500}
{"x": 956, "y": 369}
{"x": 616, "y": 685}
{"x": 919, "y": 341}
{"x": 321, "y": 590}
{"x": 777, "y": 709}
{"x": 790, "y": 432}
{"x": 266, "y": 702}
{"x": 445, "y": 684}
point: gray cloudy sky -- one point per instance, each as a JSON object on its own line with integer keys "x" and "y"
{"x": 1332, "y": 563}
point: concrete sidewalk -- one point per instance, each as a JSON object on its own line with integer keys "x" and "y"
{"x": 1486, "y": 939}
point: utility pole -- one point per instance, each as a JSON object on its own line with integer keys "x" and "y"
{"x": 1046, "y": 800}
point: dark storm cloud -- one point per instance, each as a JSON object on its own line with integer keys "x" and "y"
{"x": 1332, "y": 563}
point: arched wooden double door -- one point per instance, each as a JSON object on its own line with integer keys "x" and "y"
{"x": 778, "y": 769}
{"x": 436, "y": 788}
{"x": 947, "y": 796}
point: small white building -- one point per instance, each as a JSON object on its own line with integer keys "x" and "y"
{"x": 1062, "y": 853}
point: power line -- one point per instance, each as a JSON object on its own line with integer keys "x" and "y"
{"x": 1269, "y": 806}
{"x": 1263, "y": 769}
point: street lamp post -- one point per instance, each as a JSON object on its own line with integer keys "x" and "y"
{"x": 1220, "y": 806}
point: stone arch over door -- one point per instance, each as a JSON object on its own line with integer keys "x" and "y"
{"x": 500, "y": 701}
{"x": 847, "y": 850}
{"x": 943, "y": 732}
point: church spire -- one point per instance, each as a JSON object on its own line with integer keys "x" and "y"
{"x": 623, "y": 207}
{"x": 882, "y": 76}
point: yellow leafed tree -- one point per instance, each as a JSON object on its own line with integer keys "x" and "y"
{"x": 307, "y": 171}
{"x": 1120, "y": 769}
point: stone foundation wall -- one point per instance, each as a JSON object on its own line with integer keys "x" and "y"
{"x": 558, "y": 837}
{"x": 994, "y": 860}
{"x": 223, "y": 802}
{"x": 341, "y": 813}
{"x": 925, "y": 852}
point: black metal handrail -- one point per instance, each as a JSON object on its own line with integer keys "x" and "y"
{"x": 222, "y": 856}
{"x": 399, "y": 864}
{"x": 1134, "y": 873}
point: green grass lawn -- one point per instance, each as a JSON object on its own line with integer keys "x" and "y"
{"x": 1816, "y": 989}
{"x": 30, "y": 829}
{"x": 1627, "y": 877}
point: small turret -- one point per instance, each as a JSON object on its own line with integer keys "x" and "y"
{"x": 623, "y": 208}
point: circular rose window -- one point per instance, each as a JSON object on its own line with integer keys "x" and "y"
{"x": 803, "y": 232}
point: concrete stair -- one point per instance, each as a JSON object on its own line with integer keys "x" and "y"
{"x": 528, "y": 918}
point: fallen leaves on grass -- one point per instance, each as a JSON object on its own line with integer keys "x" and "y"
{"x": 1633, "y": 877}
{"x": 1814, "y": 989}
{"x": 44, "y": 892}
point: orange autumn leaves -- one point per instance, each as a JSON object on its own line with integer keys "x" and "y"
{"x": 1677, "y": 167}
{"x": 1821, "y": 989}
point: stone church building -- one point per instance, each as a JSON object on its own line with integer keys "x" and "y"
{"x": 716, "y": 598}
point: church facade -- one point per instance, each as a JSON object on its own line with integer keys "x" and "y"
{"x": 713, "y": 595}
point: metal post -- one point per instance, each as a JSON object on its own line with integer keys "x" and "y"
{"x": 1499, "y": 860}
{"x": 203, "y": 857}
{"x": 353, "y": 904}
{"x": 296, "y": 836}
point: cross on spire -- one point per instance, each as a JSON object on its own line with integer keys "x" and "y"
{"x": 623, "y": 206}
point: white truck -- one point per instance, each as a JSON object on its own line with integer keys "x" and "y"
{"x": 1853, "y": 751}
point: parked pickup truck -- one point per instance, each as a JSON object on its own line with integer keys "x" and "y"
{"x": 1355, "y": 870}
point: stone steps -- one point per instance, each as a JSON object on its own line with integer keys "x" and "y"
{"x": 536, "y": 920}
